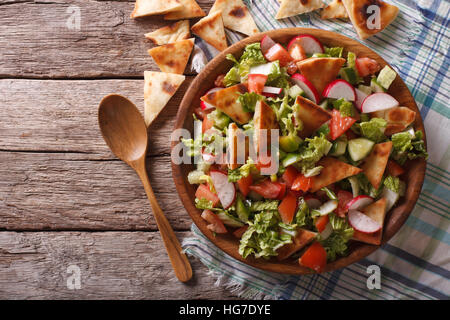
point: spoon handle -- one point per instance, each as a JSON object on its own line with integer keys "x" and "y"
{"x": 180, "y": 262}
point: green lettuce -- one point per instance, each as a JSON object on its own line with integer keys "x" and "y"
{"x": 366, "y": 186}
{"x": 241, "y": 172}
{"x": 252, "y": 56}
{"x": 203, "y": 204}
{"x": 335, "y": 52}
{"x": 303, "y": 215}
{"x": 336, "y": 244}
{"x": 278, "y": 76}
{"x": 312, "y": 150}
{"x": 374, "y": 129}
{"x": 345, "y": 107}
{"x": 264, "y": 205}
{"x": 248, "y": 101}
{"x": 406, "y": 146}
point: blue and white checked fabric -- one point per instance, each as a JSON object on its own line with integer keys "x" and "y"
{"x": 415, "y": 264}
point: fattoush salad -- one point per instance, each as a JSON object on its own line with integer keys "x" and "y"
{"x": 343, "y": 143}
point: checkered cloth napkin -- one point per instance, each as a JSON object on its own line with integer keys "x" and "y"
{"x": 415, "y": 264}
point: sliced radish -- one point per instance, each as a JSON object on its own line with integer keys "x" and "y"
{"x": 313, "y": 203}
{"x": 272, "y": 90}
{"x": 391, "y": 198}
{"x": 359, "y": 202}
{"x": 360, "y": 222}
{"x": 306, "y": 86}
{"x": 309, "y": 43}
{"x": 378, "y": 101}
{"x": 328, "y": 207}
{"x": 326, "y": 232}
{"x": 265, "y": 69}
{"x": 266, "y": 44}
{"x": 338, "y": 89}
{"x": 206, "y": 105}
{"x": 226, "y": 190}
{"x": 360, "y": 96}
{"x": 208, "y": 157}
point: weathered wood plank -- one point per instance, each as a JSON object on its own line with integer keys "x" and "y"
{"x": 113, "y": 265}
{"x": 36, "y": 41}
{"x": 61, "y": 115}
{"x": 42, "y": 191}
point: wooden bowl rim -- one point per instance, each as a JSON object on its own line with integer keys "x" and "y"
{"x": 182, "y": 185}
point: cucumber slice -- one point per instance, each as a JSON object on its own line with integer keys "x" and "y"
{"x": 229, "y": 220}
{"x": 291, "y": 158}
{"x": 386, "y": 77}
{"x": 366, "y": 89}
{"x": 349, "y": 74}
{"x": 375, "y": 86}
{"x": 338, "y": 148}
{"x": 295, "y": 91}
{"x": 359, "y": 148}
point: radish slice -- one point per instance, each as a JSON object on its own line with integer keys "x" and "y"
{"x": 265, "y": 69}
{"x": 360, "y": 222}
{"x": 266, "y": 44}
{"x": 360, "y": 96}
{"x": 328, "y": 207}
{"x": 309, "y": 43}
{"x": 225, "y": 189}
{"x": 306, "y": 86}
{"x": 391, "y": 198}
{"x": 313, "y": 203}
{"x": 326, "y": 232}
{"x": 206, "y": 105}
{"x": 359, "y": 202}
{"x": 340, "y": 89}
{"x": 378, "y": 101}
{"x": 209, "y": 158}
{"x": 272, "y": 90}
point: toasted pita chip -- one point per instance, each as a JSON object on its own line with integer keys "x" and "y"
{"x": 159, "y": 87}
{"x": 335, "y": 10}
{"x": 173, "y": 57}
{"x": 235, "y": 16}
{"x": 376, "y": 162}
{"x": 210, "y": 29}
{"x": 302, "y": 238}
{"x": 320, "y": 71}
{"x": 170, "y": 34}
{"x": 289, "y": 8}
{"x": 263, "y": 119}
{"x": 151, "y": 7}
{"x": 226, "y": 100}
{"x": 377, "y": 212}
{"x": 333, "y": 171}
{"x": 363, "y": 16}
{"x": 311, "y": 115}
{"x": 398, "y": 119}
{"x": 190, "y": 10}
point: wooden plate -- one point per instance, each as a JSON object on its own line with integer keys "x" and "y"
{"x": 229, "y": 244}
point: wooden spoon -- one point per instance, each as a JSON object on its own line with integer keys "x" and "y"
{"x": 125, "y": 132}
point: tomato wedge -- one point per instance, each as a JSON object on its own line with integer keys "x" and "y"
{"x": 301, "y": 183}
{"x": 216, "y": 225}
{"x": 203, "y": 192}
{"x": 339, "y": 124}
{"x": 394, "y": 169}
{"x": 239, "y": 232}
{"x": 267, "y": 189}
{"x": 366, "y": 66}
{"x": 256, "y": 82}
{"x": 287, "y": 207}
{"x": 344, "y": 197}
{"x": 282, "y": 190}
{"x": 290, "y": 175}
{"x": 315, "y": 257}
{"x": 244, "y": 184}
{"x": 277, "y": 52}
{"x": 322, "y": 222}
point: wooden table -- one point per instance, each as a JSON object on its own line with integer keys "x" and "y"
{"x": 64, "y": 198}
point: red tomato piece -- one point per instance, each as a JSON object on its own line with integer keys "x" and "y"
{"x": 301, "y": 183}
{"x": 216, "y": 225}
{"x": 203, "y": 192}
{"x": 207, "y": 124}
{"x": 315, "y": 257}
{"x": 394, "y": 169}
{"x": 267, "y": 189}
{"x": 322, "y": 222}
{"x": 339, "y": 124}
{"x": 239, "y": 232}
{"x": 256, "y": 82}
{"x": 277, "y": 52}
{"x": 350, "y": 135}
{"x": 244, "y": 184}
{"x": 288, "y": 207}
{"x": 282, "y": 190}
{"x": 344, "y": 197}
{"x": 366, "y": 66}
{"x": 290, "y": 175}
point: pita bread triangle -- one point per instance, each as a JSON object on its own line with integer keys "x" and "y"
{"x": 361, "y": 17}
{"x": 375, "y": 163}
{"x": 169, "y": 34}
{"x": 173, "y": 57}
{"x": 150, "y": 7}
{"x": 301, "y": 239}
{"x": 289, "y": 8}
{"x": 210, "y": 29}
{"x": 235, "y": 16}
{"x": 159, "y": 87}
{"x": 190, "y": 10}
{"x": 333, "y": 171}
{"x": 311, "y": 115}
{"x": 320, "y": 71}
{"x": 335, "y": 10}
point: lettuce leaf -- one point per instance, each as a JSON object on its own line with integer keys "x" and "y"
{"x": 248, "y": 101}
{"x": 312, "y": 151}
{"x": 336, "y": 244}
{"x": 278, "y": 76}
{"x": 241, "y": 172}
{"x": 252, "y": 56}
{"x": 408, "y": 147}
{"x": 264, "y": 205}
{"x": 303, "y": 215}
{"x": 374, "y": 129}
{"x": 335, "y": 52}
{"x": 345, "y": 107}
